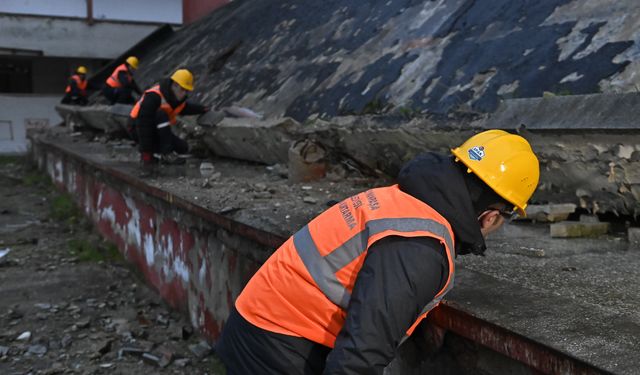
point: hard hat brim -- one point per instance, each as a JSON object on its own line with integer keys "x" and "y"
{"x": 521, "y": 209}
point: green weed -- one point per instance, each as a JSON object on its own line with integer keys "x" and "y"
{"x": 10, "y": 159}
{"x": 63, "y": 208}
{"x": 88, "y": 251}
{"x": 36, "y": 178}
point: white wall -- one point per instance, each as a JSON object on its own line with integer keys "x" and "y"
{"x": 69, "y": 37}
{"x": 18, "y": 112}
{"x": 61, "y": 8}
{"x": 155, "y": 11}
{"x": 159, "y": 11}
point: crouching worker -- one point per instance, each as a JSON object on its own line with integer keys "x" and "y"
{"x": 153, "y": 116}
{"x": 76, "y": 91}
{"x": 120, "y": 85}
{"x": 342, "y": 294}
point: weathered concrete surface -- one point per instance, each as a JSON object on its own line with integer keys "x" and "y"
{"x": 68, "y": 37}
{"x": 582, "y": 295}
{"x": 566, "y": 113}
{"x": 109, "y": 119}
{"x": 550, "y": 212}
{"x": 633, "y": 235}
{"x": 569, "y": 229}
{"x": 597, "y": 171}
{"x": 338, "y": 58}
{"x": 256, "y": 140}
{"x": 578, "y": 299}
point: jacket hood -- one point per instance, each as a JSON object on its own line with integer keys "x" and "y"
{"x": 170, "y": 97}
{"x": 438, "y": 181}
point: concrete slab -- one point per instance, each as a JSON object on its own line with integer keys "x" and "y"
{"x": 577, "y": 297}
{"x": 597, "y": 111}
{"x": 581, "y": 297}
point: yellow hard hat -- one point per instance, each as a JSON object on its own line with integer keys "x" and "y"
{"x": 505, "y": 162}
{"x": 81, "y": 70}
{"x": 133, "y": 61}
{"x": 184, "y": 78}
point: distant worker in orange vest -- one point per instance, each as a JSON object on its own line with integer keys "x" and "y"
{"x": 153, "y": 116}
{"x": 76, "y": 91}
{"x": 120, "y": 84}
{"x": 342, "y": 294}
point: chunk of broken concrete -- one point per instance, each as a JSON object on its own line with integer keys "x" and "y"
{"x": 201, "y": 349}
{"x": 589, "y": 219}
{"x": 634, "y": 238}
{"x": 206, "y": 169}
{"x": 211, "y": 118}
{"x": 306, "y": 161}
{"x": 263, "y": 141}
{"x": 25, "y": 336}
{"x": 550, "y": 212}
{"x": 38, "y": 350}
{"x": 570, "y": 229}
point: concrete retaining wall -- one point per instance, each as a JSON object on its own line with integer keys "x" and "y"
{"x": 199, "y": 262}
{"x": 196, "y": 266}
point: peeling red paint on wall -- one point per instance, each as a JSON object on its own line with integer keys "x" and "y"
{"x": 179, "y": 261}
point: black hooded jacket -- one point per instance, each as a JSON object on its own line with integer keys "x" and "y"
{"x": 401, "y": 275}
{"x": 151, "y": 104}
{"x": 398, "y": 278}
{"x": 126, "y": 80}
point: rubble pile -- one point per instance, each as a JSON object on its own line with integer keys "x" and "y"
{"x": 70, "y": 304}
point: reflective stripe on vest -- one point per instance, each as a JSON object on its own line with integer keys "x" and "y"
{"x": 304, "y": 288}
{"x": 164, "y": 105}
{"x": 81, "y": 83}
{"x": 113, "y": 80}
{"x": 323, "y": 268}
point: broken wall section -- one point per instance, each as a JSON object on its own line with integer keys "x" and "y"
{"x": 588, "y": 146}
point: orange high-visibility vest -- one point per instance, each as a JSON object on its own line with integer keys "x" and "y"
{"x": 304, "y": 288}
{"x": 164, "y": 105}
{"x": 113, "y": 78}
{"x": 81, "y": 83}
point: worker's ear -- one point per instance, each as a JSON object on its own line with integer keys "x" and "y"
{"x": 490, "y": 220}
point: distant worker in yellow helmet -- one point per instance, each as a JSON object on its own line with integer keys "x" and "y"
{"x": 120, "y": 85}
{"x": 153, "y": 116}
{"x": 341, "y": 294}
{"x": 76, "y": 91}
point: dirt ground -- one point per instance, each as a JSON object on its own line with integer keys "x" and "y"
{"x": 68, "y": 302}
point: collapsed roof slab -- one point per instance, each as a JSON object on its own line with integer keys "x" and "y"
{"x": 586, "y": 157}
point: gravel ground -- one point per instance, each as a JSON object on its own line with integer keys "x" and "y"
{"x": 68, "y": 302}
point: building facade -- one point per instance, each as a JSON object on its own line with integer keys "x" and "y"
{"x": 42, "y": 42}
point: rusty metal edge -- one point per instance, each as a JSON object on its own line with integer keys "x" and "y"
{"x": 447, "y": 316}
{"x": 510, "y": 344}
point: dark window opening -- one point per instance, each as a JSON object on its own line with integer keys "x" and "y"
{"x": 15, "y": 76}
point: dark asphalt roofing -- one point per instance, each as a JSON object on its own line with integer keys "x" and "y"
{"x": 259, "y": 47}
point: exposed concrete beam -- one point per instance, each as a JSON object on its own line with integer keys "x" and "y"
{"x": 70, "y": 37}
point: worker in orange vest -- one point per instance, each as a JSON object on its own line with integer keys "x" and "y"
{"x": 153, "y": 116}
{"x": 76, "y": 91}
{"x": 120, "y": 85}
{"x": 341, "y": 294}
